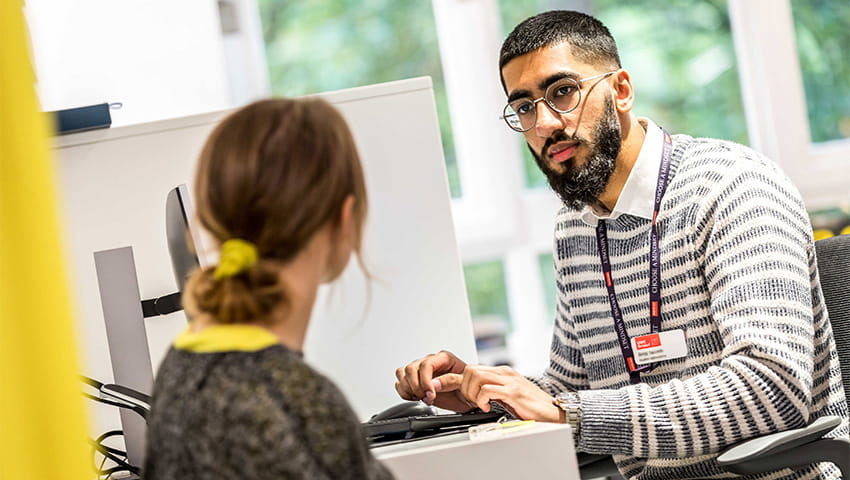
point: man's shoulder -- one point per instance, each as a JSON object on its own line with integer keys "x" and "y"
{"x": 703, "y": 151}
{"x": 569, "y": 218}
{"x": 712, "y": 172}
{"x": 715, "y": 164}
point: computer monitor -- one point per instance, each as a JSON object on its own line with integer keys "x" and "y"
{"x": 185, "y": 246}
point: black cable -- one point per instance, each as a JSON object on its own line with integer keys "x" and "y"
{"x": 90, "y": 381}
{"x": 113, "y": 454}
{"x": 112, "y": 433}
{"x": 117, "y": 403}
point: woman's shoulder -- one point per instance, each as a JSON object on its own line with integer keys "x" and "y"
{"x": 303, "y": 386}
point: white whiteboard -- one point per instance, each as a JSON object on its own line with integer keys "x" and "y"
{"x": 113, "y": 185}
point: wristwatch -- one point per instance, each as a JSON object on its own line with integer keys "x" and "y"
{"x": 570, "y": 403}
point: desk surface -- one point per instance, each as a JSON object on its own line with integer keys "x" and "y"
{"x": 542, "y": 449}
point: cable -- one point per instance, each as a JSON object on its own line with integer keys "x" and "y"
{"x": 113, "y": 454}
{"x": 112, "y": 400}
{"x": 117, "y": 403}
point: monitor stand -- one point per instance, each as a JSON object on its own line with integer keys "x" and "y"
{"x": 126, "y": 338}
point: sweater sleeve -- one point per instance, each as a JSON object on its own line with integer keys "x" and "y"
{"x": 753, "y": 240}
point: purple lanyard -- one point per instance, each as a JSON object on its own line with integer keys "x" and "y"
{"x": 654, "y": 270}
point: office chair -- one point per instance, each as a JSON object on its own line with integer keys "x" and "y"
{"x": 592, "y": 466}
{"x": 803, "y": 446}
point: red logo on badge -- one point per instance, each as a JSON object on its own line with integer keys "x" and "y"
{"x": 647, "y": 341}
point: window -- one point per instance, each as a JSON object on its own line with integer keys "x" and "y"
{"x": 485, "y": 288}
{"x": 547, "y": 276}
{"x": 488, "y": 304}
{"x": 823, "y": 43}
{"x": 328, "y": 45}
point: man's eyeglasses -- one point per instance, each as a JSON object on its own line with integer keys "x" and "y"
{"x": 563, "y": 96}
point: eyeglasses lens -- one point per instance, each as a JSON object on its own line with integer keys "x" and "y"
{"x": 563, "y": 96}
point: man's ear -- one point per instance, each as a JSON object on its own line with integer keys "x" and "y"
{"x": 624, "y": 92}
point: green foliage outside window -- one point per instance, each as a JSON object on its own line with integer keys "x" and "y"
{"x": 547, "y": 274}
{"x": 681, "y": 57}
{"x": 822, "y": 30}
{"x": 487, "y": 291}
{"x": 326, "y": 45}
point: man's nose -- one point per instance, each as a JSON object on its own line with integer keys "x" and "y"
{"x": 548, "y": 120}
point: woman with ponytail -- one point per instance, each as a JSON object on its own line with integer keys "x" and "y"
{"x": 280, "y": 188}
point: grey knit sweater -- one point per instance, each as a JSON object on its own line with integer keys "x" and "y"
{"x": 251, "y": 412}
{"x": 739, "y": 277}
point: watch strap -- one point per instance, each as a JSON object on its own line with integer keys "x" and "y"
{"x": 570, "y": 403}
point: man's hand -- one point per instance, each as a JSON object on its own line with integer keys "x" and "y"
{"x": 525, "y": 400}
{"x": 435, "y": 380}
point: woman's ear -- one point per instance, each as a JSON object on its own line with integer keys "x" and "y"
{"x": 624, "y": 92}
{"x": 343, "y": 238}
{"x": 347, "y": 230}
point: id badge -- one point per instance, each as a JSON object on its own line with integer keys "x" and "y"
{"x": 657, "y": 347}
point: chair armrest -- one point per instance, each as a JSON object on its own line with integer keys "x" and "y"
{"x": 777, "y": 442}
{"x": 790, "y": 448}
{"x": 597, "y": 466}
{"x": 133, "y": 398}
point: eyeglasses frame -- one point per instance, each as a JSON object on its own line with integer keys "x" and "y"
{"x": 549, "y": 104}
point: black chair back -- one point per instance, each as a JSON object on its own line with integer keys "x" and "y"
{"x": 834, "y": 270}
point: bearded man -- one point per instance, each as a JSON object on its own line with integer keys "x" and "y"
{"x": 689, "y": 315}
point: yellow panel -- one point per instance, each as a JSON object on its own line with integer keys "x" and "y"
{"x": 42, "y": 414}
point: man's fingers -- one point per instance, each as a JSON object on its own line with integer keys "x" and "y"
{"x": 477, "y": 376}
{"x": 414, "y": 381}
{"x": 447, "y": 382}
{"x": 426, "y": 371}
{"x": 411, "y": 379}
{"x": 487, "y": 393}
{"x": 403, "y": 393}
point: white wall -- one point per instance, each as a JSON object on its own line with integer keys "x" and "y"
{"x": 160, "y": 58}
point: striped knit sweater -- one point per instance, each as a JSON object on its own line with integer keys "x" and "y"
{"x": 739, "y": 277}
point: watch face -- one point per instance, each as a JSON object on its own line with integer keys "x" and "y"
{"x": 567, "y": 399}
{"x": 570, "y": 403}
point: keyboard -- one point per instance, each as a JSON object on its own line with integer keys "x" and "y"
{"x": 395, "y": 427}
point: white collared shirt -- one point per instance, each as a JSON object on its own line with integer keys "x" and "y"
{"x": 639, "y": 190}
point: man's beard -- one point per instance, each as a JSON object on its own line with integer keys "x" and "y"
{"x": 582, "y": 185}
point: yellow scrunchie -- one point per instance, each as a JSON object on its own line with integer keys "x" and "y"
{"x": 237, "y": 255}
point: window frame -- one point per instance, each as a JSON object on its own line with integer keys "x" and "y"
{"x": 769, "y": 68}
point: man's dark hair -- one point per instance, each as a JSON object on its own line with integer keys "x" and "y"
{"x": 588, "y": 38}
